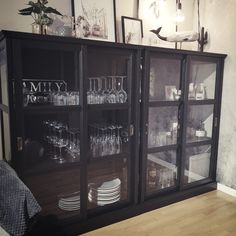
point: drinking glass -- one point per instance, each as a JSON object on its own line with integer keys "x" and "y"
{"x": 121, "y": 92}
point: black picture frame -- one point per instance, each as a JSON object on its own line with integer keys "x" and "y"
{"x": 109, "y": 7}
{"x": 132, "y": 30}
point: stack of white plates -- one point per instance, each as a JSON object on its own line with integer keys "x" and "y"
{"x": 107, "y": 193}
{"x": 69, "y": 202}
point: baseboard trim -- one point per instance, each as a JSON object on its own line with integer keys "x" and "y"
{"x": 226, "y": 189}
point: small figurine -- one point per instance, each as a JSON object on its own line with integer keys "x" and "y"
{"x": 184, "y": 36}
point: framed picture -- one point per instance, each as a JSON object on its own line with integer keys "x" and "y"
{"x": 132, "y": 30}
{"x": 170, "y": 91}
{"x": 96, "y": 19}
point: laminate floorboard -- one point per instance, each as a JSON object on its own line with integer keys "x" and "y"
{"x": 210, "y": 214}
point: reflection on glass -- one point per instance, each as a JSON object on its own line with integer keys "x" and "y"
{"x": 161, "y": 170}
{"x": 202, "y": 80}
{"x": 162, "y": 126}
{"x": 164, "y": 79}
{"x": 107, "y": 183}
{"x": 200, "y": 121}
{"x": 6, "y": 136}
{"x": 197, "y": 163}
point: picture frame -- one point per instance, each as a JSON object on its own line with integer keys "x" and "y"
{"x": 97, "y": 19}
{"x": 170, "y": 92}
{"x": 132, "y": 30}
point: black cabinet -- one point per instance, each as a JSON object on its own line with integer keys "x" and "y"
{"x": 101, "y": 130}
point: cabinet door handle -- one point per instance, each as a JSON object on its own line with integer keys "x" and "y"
{"x": 216, "y": 122}
{"x": 19, "y": 143}
{"x": 131, "y": 130}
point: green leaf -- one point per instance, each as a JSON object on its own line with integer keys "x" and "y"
{"x": 31, "y": 3}
{"x": 25, "y": 13}
{"x": 52, "y": 10}
{"x": 26, "y": 9}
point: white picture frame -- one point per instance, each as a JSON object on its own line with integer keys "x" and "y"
{"x": 98, "y": 19}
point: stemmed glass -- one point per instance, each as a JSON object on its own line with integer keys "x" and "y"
{"x": 90, "y": 92}
{"x": 74, "y": 143}
{"x": 122, "y": 94}
{"x": 111, "y": 97}
{"x": 61, "y": 141}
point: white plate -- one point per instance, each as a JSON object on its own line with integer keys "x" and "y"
{"x": 69, "y": 203}
{"x": 108, "y": 185}
{"x": 71, "y": 208}
{"x": 99, "y": 198}
{"x": 103, "y": 202}
{"x": 95, "y": 193}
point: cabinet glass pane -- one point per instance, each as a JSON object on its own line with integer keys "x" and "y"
{"x": 109, "y": 75}
{"x": 52, "y": 161}
{"x": 162, "y": 126}
{"x": 164, "y": 79}
{"x": 161, "y": 171}
{"x": 58, "y": 193}
{"x": 6, "y": 136}
{"x": 51, "y": 140}
{"x": 57, "y": 84}
{"x": 107, "y": 183}
{"x": 1, "y": 136}
{"x": 200, "y": 121}
{"x": 202, "y": 80}
{"x": 197, "y": 163}
{"x": 3, "y": 77}
{"x": 109, "y": 150}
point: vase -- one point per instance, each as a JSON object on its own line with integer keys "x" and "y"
{"x": 39, "y": 29}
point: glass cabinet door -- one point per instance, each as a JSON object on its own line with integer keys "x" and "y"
{"x": 51, "y": 126}
{"x": 109, "y": 121}
{"x": 163, "y": 123}
{"x": 200, "y": 113}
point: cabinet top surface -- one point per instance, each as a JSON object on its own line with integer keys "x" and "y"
{"x": 71, "y": 40}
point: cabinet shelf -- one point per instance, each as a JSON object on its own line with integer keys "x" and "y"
{"x": 110, "y": 106}
{"x": 109, "y": 157}
{"x": 50, "y": 109}
{"x": 163, "y": 103}
{"x": 201, "y": 102}
{"x": 162, "y": 148}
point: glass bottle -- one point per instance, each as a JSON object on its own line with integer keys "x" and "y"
{"x": 152, "y": 175}
{"x": 200, "y": 131}
{"x": 200, "y": 92}
{"x": 191, "y": 92}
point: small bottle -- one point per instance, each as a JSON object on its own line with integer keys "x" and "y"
{"x": 200, "y": 92}
{"x": 191, "y": 92}
{"x": 200, "y": 131}
{"x": 152, "y": 175}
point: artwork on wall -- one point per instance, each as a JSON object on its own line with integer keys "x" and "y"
{"x": 132, "y": 30}
{"x": 96, "y": 19}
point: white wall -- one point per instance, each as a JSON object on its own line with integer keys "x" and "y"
{"x": 219, "y": 18}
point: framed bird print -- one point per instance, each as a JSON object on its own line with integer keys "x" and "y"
{"x": 132, "y": 30}
{"x": 96, "y": 19}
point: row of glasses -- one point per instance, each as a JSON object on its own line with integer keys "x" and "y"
{"x": 58, "y": 136}
{"x": 106, "y": 89}
{"x": 63, "y": 98}
{"x": 105, "y": 139}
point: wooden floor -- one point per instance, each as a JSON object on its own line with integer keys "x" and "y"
{"x": 210, "y": 214}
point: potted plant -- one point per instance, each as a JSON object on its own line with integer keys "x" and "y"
{"x": 39, "y": 11}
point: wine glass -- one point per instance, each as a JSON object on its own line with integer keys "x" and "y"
{"x": 61, "y": 141}
{"x": 122, "y": 93}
